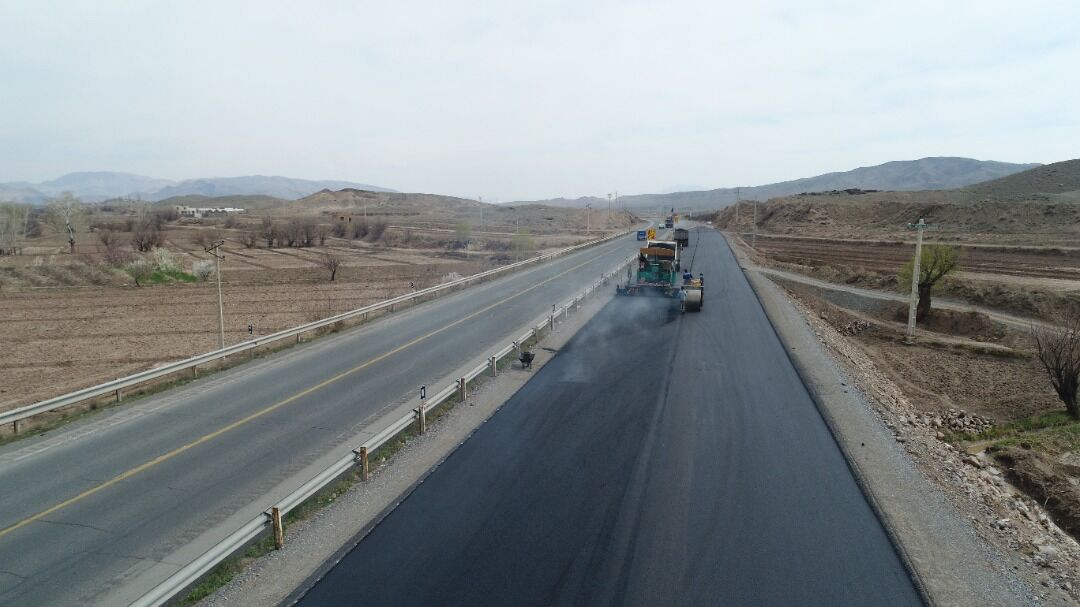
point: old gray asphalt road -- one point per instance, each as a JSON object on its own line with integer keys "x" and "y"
{"x": 97, "y": 512}
{"x": 652, "y": 462}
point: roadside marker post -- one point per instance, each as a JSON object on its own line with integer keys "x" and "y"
{"x": 279, "y": 530}
{"x": 421, "y": 414}
{"x": 362, "y": 454}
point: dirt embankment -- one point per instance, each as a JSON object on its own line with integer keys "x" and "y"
{"x": 1054, "y": 484}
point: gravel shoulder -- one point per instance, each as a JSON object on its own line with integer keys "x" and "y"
{"x": 318, "y": 542}
{"x": 949, "y": 559}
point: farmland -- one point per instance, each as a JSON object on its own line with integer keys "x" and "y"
{"x": 73, "y": 320}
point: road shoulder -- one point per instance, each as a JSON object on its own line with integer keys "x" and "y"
{"x": 949, "y": 562}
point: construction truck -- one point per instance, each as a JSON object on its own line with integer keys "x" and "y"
{"x": 658, "y": 275}
{"x": 657, "y": 270}
{"x": 682, "y": 237}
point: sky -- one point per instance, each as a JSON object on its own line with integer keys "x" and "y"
{"x": 529, "y": 100}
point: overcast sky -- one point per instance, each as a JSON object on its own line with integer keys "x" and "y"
{"x": 518, "y": 100}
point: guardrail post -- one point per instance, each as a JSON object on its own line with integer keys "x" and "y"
{"x": 194, "y": 371}
{"x": 279, "y": 530}
{"x": 494, "y": 362}
{"x": 421, "y": 414}
{"x": 463, "y": 392}
{"x": 16, "y": 426}
{"x": 119, "y": 395}
{"x": 297, "y": 338}
{"x": 363, "y": 455}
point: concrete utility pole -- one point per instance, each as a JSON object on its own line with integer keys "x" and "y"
{"x": 737, "y": 203}
{"x": 213, "y": 250}
{"x": 915, "y": 269}
{"x": 588, "y": 206}
{"x": 754, "y": 245}
{"x": 609, "y": 210}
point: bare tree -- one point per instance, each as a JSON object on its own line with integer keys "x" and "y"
{"x": 65, "y": 215}
{"x": 321, "y": 232}
{"x": 359, "y": 228}
{"x": 14, "y": 224}
{"x": 269, "y": 232}
{"x": 937, "y": 261}
{"x": 1058, "y": 348}
{"x": 205, "y": 238}
{"x": 146, "y": 235}
{"x": 331, "y": 263}
{"x": 249, "y": 239}
{"x": 291, "y": 233}
{"x": 114, "y": 255}
{"x": 376, "y": 230}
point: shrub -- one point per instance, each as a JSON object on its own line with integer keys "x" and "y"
{"x": 163, "y": 261}
{"x": 203, "y": 269}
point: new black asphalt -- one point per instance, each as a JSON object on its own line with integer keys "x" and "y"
{"x": 657, "y": 460}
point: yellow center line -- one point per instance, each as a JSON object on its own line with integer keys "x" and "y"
{"x": 175, "y": 452}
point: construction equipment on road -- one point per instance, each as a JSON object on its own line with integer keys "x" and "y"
{"x": 658, "y": 275}
{"x": 693, "y": 292}
{"x": 650, "y": 234}
{"x": 682, "y": 237}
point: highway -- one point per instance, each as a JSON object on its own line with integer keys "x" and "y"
{"x": 99, "y": 511}
{"x": 654, "y": 461}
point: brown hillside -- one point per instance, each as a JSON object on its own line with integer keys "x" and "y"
{"x": 1037, "y": 183}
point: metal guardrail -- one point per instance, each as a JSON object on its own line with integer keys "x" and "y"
{"x": 118, "y": 385}
{"x": 196, "y": 569}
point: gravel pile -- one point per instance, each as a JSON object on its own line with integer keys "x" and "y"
{"x": 958, "y": 421}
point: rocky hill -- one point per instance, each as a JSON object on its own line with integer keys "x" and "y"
{"x": 1038, "y": 205}
{"x": 1059, "y": 178}
{"x": 908, "y": 175}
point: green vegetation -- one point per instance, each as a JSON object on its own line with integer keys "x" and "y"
{"x": 162, "y": 277}
{"x": 1053, "y": 433}
{"x": 936, "y": 261}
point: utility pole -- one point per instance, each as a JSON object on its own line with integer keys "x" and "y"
{"x": 737, "y": 203}
{"x": 588, "y": 206}
{"x": 213, "y": 250}
{"x": 754, "y": 245}
{"x": 609, "y": 210}
{"x": 915, "y": 269}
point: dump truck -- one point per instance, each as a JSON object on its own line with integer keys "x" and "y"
{"x": 682, "y": 237}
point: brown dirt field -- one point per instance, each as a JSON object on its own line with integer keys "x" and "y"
{"x": 75, "y": 321}
{"x": 79, "y": 338}
{"x": 888, "y": 257}
{"x": 954, "y": 371}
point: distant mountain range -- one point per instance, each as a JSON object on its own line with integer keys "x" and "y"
{"x": 103, "y": 185}
{"x": 937, "y": 173}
